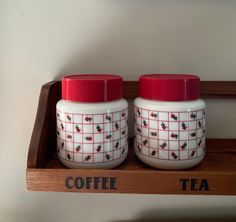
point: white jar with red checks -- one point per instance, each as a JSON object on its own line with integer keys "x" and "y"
{"x": 92, "y": 129}
{"x": 170, "y": 121}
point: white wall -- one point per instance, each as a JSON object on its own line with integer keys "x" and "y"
{"x": 42, "y": 40}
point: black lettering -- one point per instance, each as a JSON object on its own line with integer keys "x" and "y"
{"x": 193, "y": 184}
{"x": 79, "y": 182}
{"x": 113, "y": 183}
{"x": 204, "y": 185}
{"x": 104, "y": 183}
{"x": 88, "y": 181}
{"x": 96, "y": 181}
{"x": 184, "y": 183}
{"x": 67, "y": 182}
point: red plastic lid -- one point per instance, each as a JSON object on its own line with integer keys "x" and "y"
{"x": 169, "y": 87}
{"x": 92, "y": 87}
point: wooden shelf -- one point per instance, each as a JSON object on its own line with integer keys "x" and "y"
{"x": 215, "y": 175}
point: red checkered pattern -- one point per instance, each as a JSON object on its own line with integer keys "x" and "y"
{"x": 170, "y": 135}
{"x": 92, "y": 138}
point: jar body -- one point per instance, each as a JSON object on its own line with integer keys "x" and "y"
{"x": 170, "y": 135}
{"x": 92, "y": 135}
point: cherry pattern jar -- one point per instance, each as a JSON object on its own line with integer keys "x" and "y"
{"x": 92, "y": 117}
{"x": 169, "y": 121}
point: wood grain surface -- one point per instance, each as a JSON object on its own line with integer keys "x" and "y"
{"x": 143, "y": 182}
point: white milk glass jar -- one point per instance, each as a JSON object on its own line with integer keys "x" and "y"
{"x": 92, "y": 117}
{"x": 169, "y": 121}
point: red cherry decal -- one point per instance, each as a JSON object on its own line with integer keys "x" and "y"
{"x": 153, "y": 153}
{"x": 68, "y": 156}
{"x": 173, "y": 154}
{"x": 99, "y": 148}
{"x": 88, "y": 158}
{"x": 193, "y": 116}
{"x": 199, "y": 143}
{"x": 77, "y": 129}
{"x": 139, "y": 149}
{"x": 145, "y": 123}
{"x": 88, "y": 138}
{"x": 173, "y": 116}
{"x": 184, "y": 145}
{"x": 116, "y": 126}
{"x": 108, "y": 118}
{"x": 98, "y": 128}
{"x": 163, "y": 145}
{"x": 153, "y": 134}
{"x": 108, "y": 136}
{"x": 192, "y": 153}
{"x": 78, "y": 148}
{"x": 145, "y": 142}
{"x": 107, "y": 156}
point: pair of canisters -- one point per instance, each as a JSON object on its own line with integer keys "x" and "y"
{"x": 169, "y": 121}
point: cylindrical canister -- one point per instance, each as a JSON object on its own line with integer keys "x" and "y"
{"x": 169, "y": 121}
{"x": 92, "y": 129}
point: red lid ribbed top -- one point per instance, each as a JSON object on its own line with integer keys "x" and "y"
{"x": 169, "y": 87}
{"x": 92, "y": 87}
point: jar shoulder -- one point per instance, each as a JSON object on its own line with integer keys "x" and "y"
{"x": 68, "y": 106}
{"x": 169, "y": 106}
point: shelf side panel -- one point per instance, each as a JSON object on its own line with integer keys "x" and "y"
{"x": 43, "y": 139}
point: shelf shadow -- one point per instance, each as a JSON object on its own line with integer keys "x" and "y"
{"x": 223, "y": 214}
